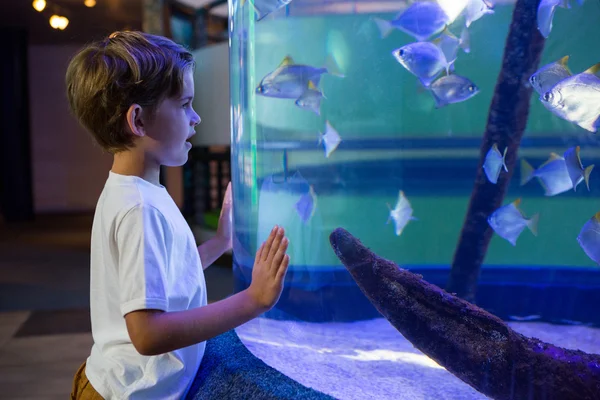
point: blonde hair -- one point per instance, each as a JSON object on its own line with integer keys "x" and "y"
{"x": 106, "y": 77}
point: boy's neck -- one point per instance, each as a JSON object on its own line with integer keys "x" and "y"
{"x": 136, "y": 164}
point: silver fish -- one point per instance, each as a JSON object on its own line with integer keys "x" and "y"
{"x": 575, "y": 167}
{"x": 420, "y": 20}
{"x": 475, "y": 9}
{"x": 549, "y": 75}
{"x": 577, "y": 99}
{"x": 266, "y": 7}
{"x": 494, "y": 162}
{"x": 306, "y": 205}
{"x": 589, "y": 238}
{"x": 425, "y": 60}
{"x": 508, "y": 222}
{"x": 311, "y": 99}
{"x": 449, "y": 43}
{"x": 331, "y": 139}
{"x": 552, "y": 175}
{"x": 401, "y": 214}
{"x": 545, "y": 14}
{"x": 289, "y": 80}
{"x": 452, "y": 89}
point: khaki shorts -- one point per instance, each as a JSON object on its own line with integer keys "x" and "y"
{"x": 82, "y": 388}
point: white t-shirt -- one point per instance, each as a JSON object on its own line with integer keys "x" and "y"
{"x": 143, "y": 256}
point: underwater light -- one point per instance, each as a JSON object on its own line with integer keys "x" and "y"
{"x": 453, "y": 8}
{"x": 395, "y": 356}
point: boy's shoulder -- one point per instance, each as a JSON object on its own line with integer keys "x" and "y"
{"x": 123, "y": 194}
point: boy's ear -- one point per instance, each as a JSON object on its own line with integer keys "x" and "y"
{"x": 135, "y": 122}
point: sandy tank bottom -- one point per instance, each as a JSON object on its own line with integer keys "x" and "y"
{"x": 371, "y": 359}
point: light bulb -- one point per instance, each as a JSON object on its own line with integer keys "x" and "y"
{"x": 63, "y": 23}
{"x": 39, "y": 5}
{"x": 55, "y": 21}
{"x": 89, "y": 3}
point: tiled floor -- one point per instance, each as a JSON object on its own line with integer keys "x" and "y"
{"x": 44, "y": 295}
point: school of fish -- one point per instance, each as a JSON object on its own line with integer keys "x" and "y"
{"x": 431, "y": 59}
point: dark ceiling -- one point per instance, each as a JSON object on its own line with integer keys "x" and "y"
{"x": 85, "y": 24}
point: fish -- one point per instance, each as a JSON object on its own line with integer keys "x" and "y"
{"x": 263, "y": 8}
{"x": 401, "y": 214}
{"x": 589, "y": 238}
{"x": 425, "y": 60}
{"x": 475, "y": 9}
{"x": 449, "y": 43}
{"x": 575, "y": 167}
{"x": 550, "y": 74}
{"x": 494, "y": 162}
{"x": 311, "y": 99}
{"x": 331, "y": 139}
{"x": 450, "y": 89}
{"x": 306, "y": 205}
{"x": 545, "y": 14}
{"x": 420, "y": 20}
{"x": 508, "y": 222}
{"x": 552, "y": 175}
{"x": 577, "y": 99}
{"x": 290, "y": 80}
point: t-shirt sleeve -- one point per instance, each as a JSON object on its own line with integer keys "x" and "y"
{"x": 143, "y": 261}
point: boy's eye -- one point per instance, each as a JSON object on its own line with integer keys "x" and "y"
{"x": 186, "y": 104}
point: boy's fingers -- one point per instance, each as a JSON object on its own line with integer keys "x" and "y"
{"x": 268, "y": 243}
{"x": 275, "y": 245}
{"x": 283, "y": 267}
{"x": 278, "y": 257}
{"x": 260, "y": 250}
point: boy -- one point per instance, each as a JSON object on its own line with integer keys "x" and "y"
{"x": 150, "y": 319}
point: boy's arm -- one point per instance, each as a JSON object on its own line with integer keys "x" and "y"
{"x": 211, "y": 250}
{"x": 214, "y": 248}
{"x": 154, "y": 332}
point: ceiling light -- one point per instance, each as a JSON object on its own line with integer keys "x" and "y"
{"x": 89, "y": 3}
{"x": 39, "y": 5}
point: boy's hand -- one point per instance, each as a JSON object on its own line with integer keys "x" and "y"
{"x": 225, "y": 230}
{"x": 270, "y": 266}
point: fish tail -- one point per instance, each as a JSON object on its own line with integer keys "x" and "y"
{"x": 526, "y": 172}
{"x": 331, "y": 66}
{"x": 532, "y": 224}
{"x": 439, "y": 103}
{"x": 586, "y": 175}
{"x": 385, "y": 27}
{"x": 504, "y": 159}
{"x": 465, "y": 40}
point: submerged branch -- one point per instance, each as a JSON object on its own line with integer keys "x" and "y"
{"x": 505, "y": 126}
{"x": 472, "y": 344}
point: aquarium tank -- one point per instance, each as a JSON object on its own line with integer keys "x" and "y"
{"x": 455, "y": 139}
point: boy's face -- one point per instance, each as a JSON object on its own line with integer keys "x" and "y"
{"x": 167, "y": 134}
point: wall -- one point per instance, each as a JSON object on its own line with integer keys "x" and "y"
{"x": 68, "y": 169}
{"x": 211, "y": 99}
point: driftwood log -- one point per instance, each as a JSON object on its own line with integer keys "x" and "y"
{"x": 472, "y": 344}
{"x": 505, "y": 126}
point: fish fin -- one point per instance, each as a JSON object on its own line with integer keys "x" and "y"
{"x": 504, "y": 159}
{"x": 526, "y": 171}
{"x": 385, "y": 27}
{"x": 320, "y": 139}
{"x": 465, "y": 40}
{"x": 414, "y": 218}
{"x": 517, "y": 202}
{"x": 596, "y": 217}
{"x": 439, "y": 103}
{"x": 564, "y": 61}
{"x": 389, "y": 216}
{"x": 287, "y": 60}
{"x": 450, "y": 66}
{"x": 242, "y": 2}
{"x": 590, "y": 125}
{"x": 332, "y": 67}
{"x": 532, "y": 224}
{"x": 594, "y": 70}
{"x": 586, "y": 175}
{"x": 312, "y": 86}
{"x": 564, "y": 4}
